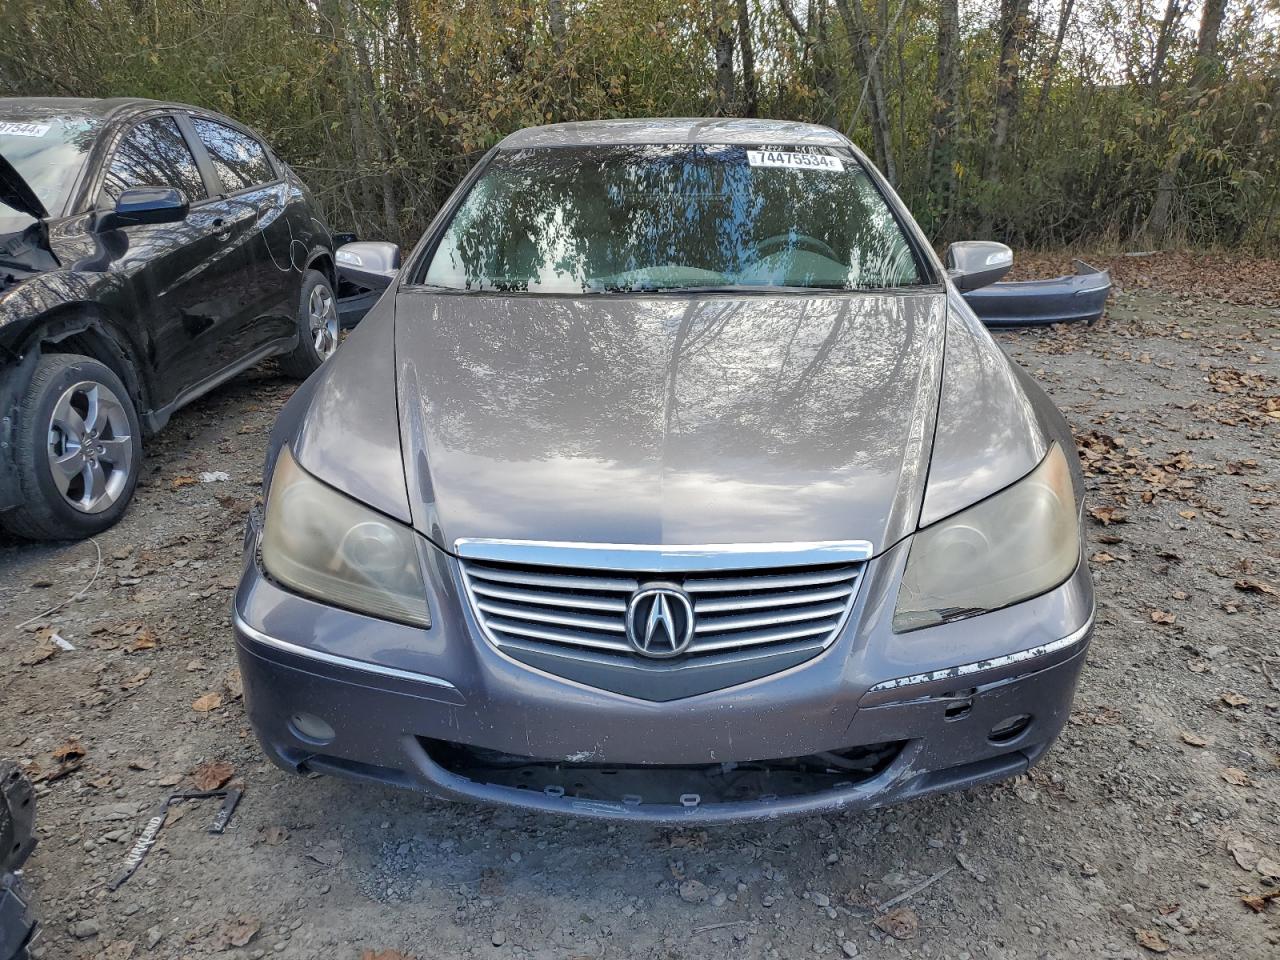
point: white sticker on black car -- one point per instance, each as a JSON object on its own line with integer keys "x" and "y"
{"x": 13, "y": 129}
{"x": 793, "y": 161}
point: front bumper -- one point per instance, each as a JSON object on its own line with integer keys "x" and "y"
{"x": 947, "y": 707}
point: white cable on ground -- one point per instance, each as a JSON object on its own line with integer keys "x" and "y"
{"x": 72, "y": 599}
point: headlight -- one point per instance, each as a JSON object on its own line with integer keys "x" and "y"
{"x": 323, "y": 544}
{"x": 1022, "y": 542}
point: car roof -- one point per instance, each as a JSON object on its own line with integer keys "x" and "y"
{"x": 673, "y": 130}
{"x": 94, "y": 108}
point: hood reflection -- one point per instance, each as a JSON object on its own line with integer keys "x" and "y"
{"x": 666, "y": 420}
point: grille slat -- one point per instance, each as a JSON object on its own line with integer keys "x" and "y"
{"x": 790, "y": 598}
{"x": 752, "y": 638}
{"x": 549, "y": 616}
{"x": 563, "y": 581}
{"x": 594, "y": 641}
{"x": 721, "y": 624}
{"x": 579, "y": 614}
{"x": 767, "y": 581}
{"x": 576, "y": 600}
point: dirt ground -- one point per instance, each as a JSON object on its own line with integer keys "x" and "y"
{"x": 1145, "y": 830}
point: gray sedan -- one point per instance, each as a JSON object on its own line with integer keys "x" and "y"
{"x": 670, "y": 480}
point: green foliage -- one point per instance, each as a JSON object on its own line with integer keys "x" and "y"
{"x": 382, "y": 105}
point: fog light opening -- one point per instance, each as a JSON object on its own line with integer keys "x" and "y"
{"x": 1009, "y": 729}
{"x": 310, "y": 728}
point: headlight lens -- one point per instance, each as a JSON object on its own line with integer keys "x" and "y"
{"x": 323, "y": 544}
{"x": 1017, "y": 544}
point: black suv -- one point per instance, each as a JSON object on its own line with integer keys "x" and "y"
{"x": 148, "y": 252}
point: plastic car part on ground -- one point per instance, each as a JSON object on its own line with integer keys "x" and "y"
{"x": 17, "y": 839}
{"x": 1081, "y": 295}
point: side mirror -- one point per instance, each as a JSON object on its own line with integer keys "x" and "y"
{"x": 975, "y": 263}
{"x": 372, "y": 264}
{"x": 145, "y": 205}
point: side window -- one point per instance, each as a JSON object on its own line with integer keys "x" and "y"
{"x": 240, "y": 160}
{"x": 154, "y": 154}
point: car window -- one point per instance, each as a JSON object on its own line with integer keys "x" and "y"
{"x": 673, "y": 217}
{"x": 48, "y": 150}
{"x": 154, "y": 154}
{"x": 240, "y": 160}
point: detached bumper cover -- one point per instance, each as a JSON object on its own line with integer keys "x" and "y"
{"x": 1080, "y": 296}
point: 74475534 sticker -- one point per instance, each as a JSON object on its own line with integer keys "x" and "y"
{"x": 12, "y": 128}
{"x": 793, "y": 161}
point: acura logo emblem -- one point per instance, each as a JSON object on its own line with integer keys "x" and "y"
{"x": 660, "y": 621}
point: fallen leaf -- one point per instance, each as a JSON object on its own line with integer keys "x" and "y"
{"x": 1243, "y": 852}
{"x": 1108, "y": 515}
{"x": 1232, "y": 699}
{"x": 207, "y": 702}
{"x": 1268, "y": 868}
{"x": 46, "y": 650}
{"x": 1163, "y": 616}
{"x": 182, "y": 480}
{"x": 141, "y": 764}
{"x": 118, "y": 950}
{"x": 328, "y": 853}
{"x": 212, "y": 775}
{"x": 70, "y": 750}
{"x": 1187, "y": 515}
{"x": 235, "y": 932}
{"x": 1235, "y": 775}
{"x": 1151, "y": 940}
{"x": 144, "y": 640}
{"x": 384, "y": 955}
{"x": 137, "y": 680}
{"x": 234, "y": 684}
{"x": 274, "y": 835}
{"x": 1102, "y": 557}
{"x": 1256, "y": 586}
{"x": 1258, "y": 902}
{"x": 901, "y": 923}
{"x": 1194, "y": 739}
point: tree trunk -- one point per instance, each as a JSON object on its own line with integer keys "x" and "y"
{"x": 941, "y": 155}
{"x": 865, "y": 59}
{"x": 1051, "y": 65}
{"x": 722, "y": 42}
{"x": 750, "y": 105}
{"x": 556, "y": 24}
{"x": 1013, "y": 33}
{"x": 1205, "y": 64}
{"x": 1173, "y": 13}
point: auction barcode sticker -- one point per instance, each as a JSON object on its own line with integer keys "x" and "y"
{"x": 12, "y": 129}
{"x": 795, "y": 161}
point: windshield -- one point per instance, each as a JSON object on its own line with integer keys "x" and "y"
{"x": 673, "y": 217}
{"x": 49, "y": 152}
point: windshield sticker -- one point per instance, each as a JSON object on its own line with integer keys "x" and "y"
{"x": 12, "y": 129}
{"x": 796, "y": 161}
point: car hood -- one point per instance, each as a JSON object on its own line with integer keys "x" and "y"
{"x": 15, "y": 192}
{"x": 667, "y": 420}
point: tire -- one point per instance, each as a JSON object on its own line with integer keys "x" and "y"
{"x": 317, "y": 327}
{"x": 76, "y": 412}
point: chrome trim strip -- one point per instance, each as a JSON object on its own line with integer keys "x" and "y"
{"x": 334, "y": 659}
{"x": 684, "y": 558}
{"x": 995, "y": 663}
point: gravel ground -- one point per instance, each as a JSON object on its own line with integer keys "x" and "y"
{"x": 1143, "y": 832}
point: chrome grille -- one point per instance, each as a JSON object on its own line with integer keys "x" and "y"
{"x": 738, "y": 613}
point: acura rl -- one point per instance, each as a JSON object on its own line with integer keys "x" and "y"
{"x": 671, "y": 479}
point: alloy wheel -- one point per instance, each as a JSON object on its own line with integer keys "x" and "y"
{"x": 322, "y": 315}
{"x": 90, "y": 447}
